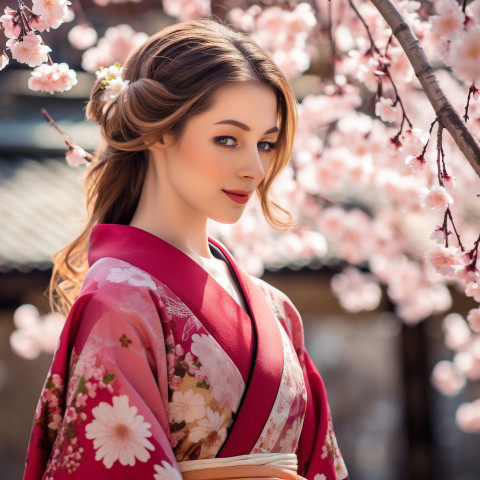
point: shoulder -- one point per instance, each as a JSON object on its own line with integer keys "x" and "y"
{"x": 286, "y": 313}
{"x": 116, "y": 296}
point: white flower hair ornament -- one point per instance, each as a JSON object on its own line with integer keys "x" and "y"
{"x": 112, "y": 81}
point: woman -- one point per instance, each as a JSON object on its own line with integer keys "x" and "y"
{"x": 174, "y": 363}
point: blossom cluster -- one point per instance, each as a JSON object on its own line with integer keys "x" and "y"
{"x": 458, "y": 32}
{"x": 114, "y": 46}
{"x": 283, "y": 32}
{"x": 22, "y": 27}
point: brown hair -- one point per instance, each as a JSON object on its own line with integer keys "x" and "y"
{"x": 172, "y": 77}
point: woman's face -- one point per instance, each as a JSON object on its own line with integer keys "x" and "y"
{"x": 222, "y": 155}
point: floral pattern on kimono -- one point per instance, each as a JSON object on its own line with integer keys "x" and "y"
{"x": 283, "y": 428}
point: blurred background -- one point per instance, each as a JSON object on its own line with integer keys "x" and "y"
{"x": 390, "y": 423}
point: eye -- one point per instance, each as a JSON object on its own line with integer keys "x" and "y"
{"x": 226, "y": 141}
{"x": 267, "y": 146}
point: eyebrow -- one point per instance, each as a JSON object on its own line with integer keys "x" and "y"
{"x": 241, "y": 125}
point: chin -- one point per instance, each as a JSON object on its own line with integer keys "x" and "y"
{"x": 228, "y": 219}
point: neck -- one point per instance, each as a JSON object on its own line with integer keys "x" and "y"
{"x": 160, "y": 214}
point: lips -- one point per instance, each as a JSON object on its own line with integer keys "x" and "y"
{"x": 238, "y": 196}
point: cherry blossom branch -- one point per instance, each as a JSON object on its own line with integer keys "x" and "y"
{"x": 444, "y": 110}
{"x": 383, "y": 62}
{"x": 73, "y": 148}
{"x": 472, "y": 91}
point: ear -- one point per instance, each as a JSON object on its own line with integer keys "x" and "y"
{"x": 163, "y": 143}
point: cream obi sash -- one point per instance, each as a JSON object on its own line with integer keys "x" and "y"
{"x": 263, "y": 466}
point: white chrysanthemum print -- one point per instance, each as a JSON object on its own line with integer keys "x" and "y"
{"x": 188, "y": 406}
{"x": 166, "y": 472}
{"x": 118, "y": 433}
{"x": 131, "y": 275}
{"x": 210, "y": 429}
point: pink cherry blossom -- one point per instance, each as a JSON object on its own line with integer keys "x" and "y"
{"x": 356, "y": 291}
{"x": 457, "y": 332}
{"x": 30, "y": 49}
{"x": 39, "y": 24}
{"x": 445, "y": 260}
{"x": 76, "y": 156}
{"x": 468, "y": 361}
{"x": 447, "y": 378}
{"x": 468, "y": 417}
{"x": 415, "y": 162}
{"x": 438, "y": 235}
{"x": 464, "y": 55}
{"x": 9, "y": 24}
{"x": 49, "y": 9}
{"x": 82, "y": 36}
{"x": 35, "y": 333}
{"x": 114, "y": 46}
{"x": 473, "y": 290}
{"x": 187, "y": 9}
{"x": 450, "y": 21}
{"x": 474, "y": 10}
{"x": 473, "y": 319}
{"x": 436, "y": 198}
{"x": 57, "y": 77}
{"x": 385, "y": 109}
{"x": 4, "y": 60}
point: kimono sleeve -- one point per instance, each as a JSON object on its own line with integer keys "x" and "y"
{"x": 107, "y": 417}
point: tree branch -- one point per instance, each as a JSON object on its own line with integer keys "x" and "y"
{"x": 447, "y": 115}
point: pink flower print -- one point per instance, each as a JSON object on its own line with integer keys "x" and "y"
{"x": 175, "y": 382}
{"x": 70, "y": 415}
{"x": 178, "y": 350}
{"x": 175, "y": 437}
{"x": 57, "y": 380}
{"x": 91, "y": 389}
{"x": 131, "y": 275}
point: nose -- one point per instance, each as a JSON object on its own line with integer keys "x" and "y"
{"x": 254, "y": 166}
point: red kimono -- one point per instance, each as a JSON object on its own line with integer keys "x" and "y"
{"x": 158, "y": 364}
